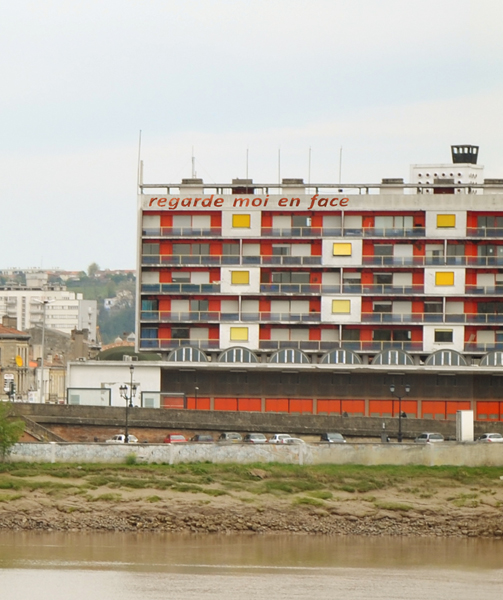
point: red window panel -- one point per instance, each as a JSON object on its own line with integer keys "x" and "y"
{"x": 452, "y": 406}
{"x": 298, "y": 405}
{"x": 329, "y": 407}
{"x": 199, "y": 404}
{"x": 276, "y": 405}
{"x": 226, "y": 404}
{"x": 381, "y": 408}
{"x": 175, "y": 402}
{"x": 433, "y": 409}
{"x": 489, "y": 411}
{"x": 250, "y": 404}
{"x": 354, "y": 407}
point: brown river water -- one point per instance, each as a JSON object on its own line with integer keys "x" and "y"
{"x": 59, "y": 566}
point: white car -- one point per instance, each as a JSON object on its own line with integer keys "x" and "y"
{"x": 490, "y": 437}
{"x": 292, "y": 440}
{"x": 429, "y": 438}
{"x": 121, "y": 439}
{"x": 279, "y": 438}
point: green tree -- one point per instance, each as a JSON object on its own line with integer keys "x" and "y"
{"x": 93, "y": 269}
{"x": 10, "y": 430}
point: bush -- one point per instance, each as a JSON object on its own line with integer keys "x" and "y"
{"x": 10, "y": 430}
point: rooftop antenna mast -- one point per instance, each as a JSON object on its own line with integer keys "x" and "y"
{"x": 193, "y": 164}
{"x": 309, "y": 168}
{"x": 279, "y": 166}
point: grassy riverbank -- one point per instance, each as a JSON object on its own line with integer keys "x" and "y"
{"x": 322, "y": 499}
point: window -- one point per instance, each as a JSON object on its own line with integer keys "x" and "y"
{"x": 180, "y": 333}
{"x": 381, "y": 335}
{"x": 433, "y": 307}
{"x": 230, "y": 249}
{"x": 350, "y": 335}
{"x": 444, "y": 278}
{"x": 199, "y": 305}
{"x": 443, "y": 336}
{"x": 180, "y": 276}
{"x": 290, "y": 277}
{"x": 150, "y": 305}
{"x": 489, "y": 250}
{"x": 383, "y": 278}
{"x": 382, "y": 306}
{"x": 191, "y": 249}
{"x": 239, "y": 334}
{"x": 394, "y": 222}
{"x": 383, "y": 250}
{"x": 241, "y": 221}
{"x": 149, "y": 333}
{"x": 490, "y": 308}
{"x": 150, "y": 249}
{"x": 281, "y": 250}
{"x": 490, "y": 222}
{"x": 301, "y": 221}
{"x": 342, "y": 249}
{"x": 446, "y": 221}
{"x": 455, "y": 249}
{"x": 341, "y": 306}
{"x": 240, "y": 277}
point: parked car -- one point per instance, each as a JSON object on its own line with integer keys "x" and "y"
{"x": 121, "y": 439}
{"x": 293, "y": 440}
{"x": 490, "y": 437}
{"x": 255, "y": 438}
{"x": 332, "y": 438}
{"x": 174, "y": 438}
{"x": 279, "y": 438}
{"x": 201, "y": 437}
{"x": 230, "y": 436}
{"x": 426, "y": 438}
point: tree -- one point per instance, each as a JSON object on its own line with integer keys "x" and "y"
{"x": 10, "y": 430}
{"x": 93, "y": 269}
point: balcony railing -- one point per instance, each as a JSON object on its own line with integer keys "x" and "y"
{"x": 484, "y": 319}
{"x": 206, "y": 316}
{"x": 420, "y": 261}
{"x": 484, "y": 232}
{"x": 291, "y": 231}
{"x": 386, "y": 289}
{"x": 299, "y": 288}
{"x": 394, "y": 232}
{"x": 180, "y": 288}
{"x": 160, "y": 344}
{"x": 485, "y": 290}
{"x": 165, "y": 232}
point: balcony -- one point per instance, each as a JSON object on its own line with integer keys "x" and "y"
{"x": 485, "y": 290}
{"x": 394, "y": 232}
{"x": 186, "y": 259}
{"x": 180, "y": 288}
{"x": 287, "y": 317}
{"x": 483, "y": 347}
{"x": 484, "y": 232}
{"x": 290, "y": 232}
{"x": 169, "y": 232}
{"x": 387, "y": 289}
{"x": 166, "y": 345}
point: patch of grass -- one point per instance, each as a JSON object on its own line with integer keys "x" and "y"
{"x": 107, "y": 498}
{"x": 321, "y": 494}
{"x": 185, "y": 487}
{"x": 153, "y": 499}
{"x": 131, "y": 459}
{"x": 308, "y": 501}
{"x": 465, "y": 500}
{"x": 10, "y": 497}
{"x": 214, "y": 492}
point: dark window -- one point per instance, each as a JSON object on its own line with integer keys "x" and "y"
{"x": 491, "y": 221}
{"x": 381, "y": 335}
{"x": 180, "y": 333}
{"x": 401, "y": 335}
{"x": 490, "y": 308}
{"x": 181, "y": 249}
{"x": 149, "y": 332}
{"x": 150, "y": 305}
{"x": 455, "y": 249}
{"x": 383, "y": 250}
{"x": 489, "y": 250}
{"x": 290, "y": 277}
{"x": 433, "y": 307}
{"x": 443, "y": 335}
{"x": 351, "y": 335}
{"x": 382, "y": 306}
{"x": 383, "y": 278}
{"x": 281, "y": 250}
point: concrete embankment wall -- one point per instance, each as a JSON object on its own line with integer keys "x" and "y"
{"x": 449, "y": 453}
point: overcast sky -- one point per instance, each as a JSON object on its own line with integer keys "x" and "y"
{"x": 391, "y": 82}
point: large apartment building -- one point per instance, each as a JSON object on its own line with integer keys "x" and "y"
{"x": 316, "y": 298}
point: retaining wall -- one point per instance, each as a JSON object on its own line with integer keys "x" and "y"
{"x": 447, "y": 453}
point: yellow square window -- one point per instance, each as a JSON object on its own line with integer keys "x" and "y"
{"x": 446, "y": 220}
{"x": 239, "y": 334}
{"x": 342, "y": 249}
{"x": 242, "y": 221}
{"x": 341, "y": 306}
{"x": 444, "y": 278}
{"x": 240, "y": 277}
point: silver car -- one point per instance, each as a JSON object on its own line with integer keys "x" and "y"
{"x": 490, "y": 437}
{"x": 427, "y": 438}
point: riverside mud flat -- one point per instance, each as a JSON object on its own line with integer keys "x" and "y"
{"x": 272, "y": 498}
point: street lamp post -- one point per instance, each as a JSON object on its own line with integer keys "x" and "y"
{"x": 196, "y": 389}
{"x": 128, "y": 394}
{"x": 399, "y": 396}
